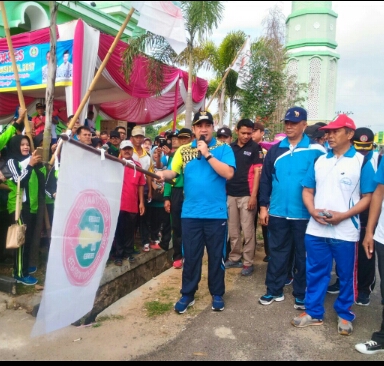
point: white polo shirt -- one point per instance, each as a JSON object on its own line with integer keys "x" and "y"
{"x": 338, "y": 184}
{"x": 379, "y": 233}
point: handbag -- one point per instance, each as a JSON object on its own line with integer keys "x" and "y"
{"x": 16, "y": 232}
{"x": 5, "y": 173}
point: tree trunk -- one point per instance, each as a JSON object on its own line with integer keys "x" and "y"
{"x": 221, "y": 105}
{"x": 230, "y": 112}
{"x": 50, "y": 91}
{"x": 188, "y": 103}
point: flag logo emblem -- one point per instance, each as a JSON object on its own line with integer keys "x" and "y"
{"x": 86, "y": 236}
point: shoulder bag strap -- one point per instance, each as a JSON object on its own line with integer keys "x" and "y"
{"x": 18, "y": 201}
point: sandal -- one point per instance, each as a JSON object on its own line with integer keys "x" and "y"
{"x": 118, "y": 262}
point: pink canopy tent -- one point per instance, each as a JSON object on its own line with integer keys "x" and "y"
{"x": 113, "y": 97}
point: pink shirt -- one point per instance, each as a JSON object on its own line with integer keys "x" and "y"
{"x": 130, "y": 193}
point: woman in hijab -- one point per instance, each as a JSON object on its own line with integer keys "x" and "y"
{"x": 22, "y": 165}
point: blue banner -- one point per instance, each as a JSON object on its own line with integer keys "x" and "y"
{"x": 32, "y": 65}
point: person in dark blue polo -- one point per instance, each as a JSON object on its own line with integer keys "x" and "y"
{"x": 207, "y": 164}
{"x": 282, "y": 207}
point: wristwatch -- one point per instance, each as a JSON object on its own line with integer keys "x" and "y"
{"x": 209, "y": 157}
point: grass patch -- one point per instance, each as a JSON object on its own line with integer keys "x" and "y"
{"x": 96, "y": 325}
{"x": 113, "y": 317}
{"x": 156, "y": 308}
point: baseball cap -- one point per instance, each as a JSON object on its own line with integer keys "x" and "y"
{"x": 126, "y": 143}
{"x": 202, "y": 116}
{"x": 342, "y": 120}
{"x": 114, "y": 134}
{"x": 363, "y": 138}
{"x": 313, "y": 132}
{"x": 224, "y": 131}
{"x": 258, "y": 126}
{"x": 137, "y": 131}
{"x": 173, "y": 134}
{"x": 185, "y": 132}
{"x": 296, "y": 115}
{"x": 39, "y": 105}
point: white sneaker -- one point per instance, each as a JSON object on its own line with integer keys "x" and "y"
{"x": 146, "y": 248}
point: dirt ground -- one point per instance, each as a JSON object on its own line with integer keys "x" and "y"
{"x": 130, "y": 334}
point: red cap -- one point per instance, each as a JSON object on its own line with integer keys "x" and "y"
{"x": 341, "y": 121}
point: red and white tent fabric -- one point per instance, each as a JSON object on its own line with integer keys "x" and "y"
{"x": 113, "y": 97}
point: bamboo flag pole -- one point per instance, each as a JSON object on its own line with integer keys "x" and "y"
{"x": 96, "y": 78}
{"x": 101, "y": 68}
{"x": 16, "y": 72}
{"x": 226, "y": 74}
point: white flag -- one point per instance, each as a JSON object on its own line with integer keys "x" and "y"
{"x": 165, "y": 19}
{"x": 241, "y": 61}
{"x": 85, "y": 217}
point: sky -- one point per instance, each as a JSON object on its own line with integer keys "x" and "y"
{"x": 359, "y": 34}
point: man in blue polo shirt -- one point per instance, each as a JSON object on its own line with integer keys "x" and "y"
{"x": 207, "y": 164}
{"x": 282, "y": 207}
{"x": 337, "y": 188}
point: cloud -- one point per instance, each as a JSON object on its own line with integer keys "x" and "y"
{"x": 359, "y": 34}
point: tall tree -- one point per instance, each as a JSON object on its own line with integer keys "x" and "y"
{"x": 223, "y": 58}
{"x": 201, "y": 18}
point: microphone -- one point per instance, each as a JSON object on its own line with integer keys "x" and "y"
{"x": 202, "y": 138}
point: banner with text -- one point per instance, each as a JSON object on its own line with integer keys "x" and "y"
{"x": 32, "y": 65}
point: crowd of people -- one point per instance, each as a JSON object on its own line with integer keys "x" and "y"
{"x": 316, "y": 191}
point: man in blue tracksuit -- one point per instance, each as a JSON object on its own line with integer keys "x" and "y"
{"x": 282, "y": 207}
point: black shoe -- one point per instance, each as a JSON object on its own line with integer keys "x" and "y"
{"x": 370, "y": 347}
{"x": 335, "y": 288}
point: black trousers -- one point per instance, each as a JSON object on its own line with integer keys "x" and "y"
{"x": 177, "y": 199}
{"x": 21, "y": 263}
{"x": 125, "y": 235}
{"x": 366, "y": 268}
{"x": 379, "y": 336}
{"x": 4, "y": 223}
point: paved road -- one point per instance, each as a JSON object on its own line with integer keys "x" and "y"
{"x": 248, "y": 331}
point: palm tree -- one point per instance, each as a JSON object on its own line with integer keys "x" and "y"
{"x": 201, "y": 18}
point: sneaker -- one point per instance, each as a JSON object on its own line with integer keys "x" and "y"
{"x": 363, "y": 300}
{"x": 335, "y": 288}
{"x": 217, "y": 303}
{"x": 27, "y": 281}
{"x": 266, "y": 258}
{"x": 131, "y": 258}
{"x": 118, "y": 262}
{"x": 183, "y": 304}
{"x": 178, "y": 264}
{"x": 344, "y": 327}
{"x": 269, "y": 299}
{"x": 231, "y": 264}
{"x": 370, "y": 347}
{"x": 155, "y": 246}
{"x": 247, "y": 270}
{"x": 305, "y": 320}
{"x": 288, "y": 281}
{"x": 32, "y": 270}
{"x": 146, "y": 248}
{"x": 299, "y": 304}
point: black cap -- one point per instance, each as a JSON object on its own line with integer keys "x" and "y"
{"x": 114, "y": 134}
{"x": 39, "y": 105}
{"x": 224, "y": 131}
{"x": 363, "y": 138}
{"x": 185, "y": 132}
{"x": 314, "y": 132}
{"x": 202, "y": 117}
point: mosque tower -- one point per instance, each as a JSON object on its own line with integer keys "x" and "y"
{"x": 312, "y": 56}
